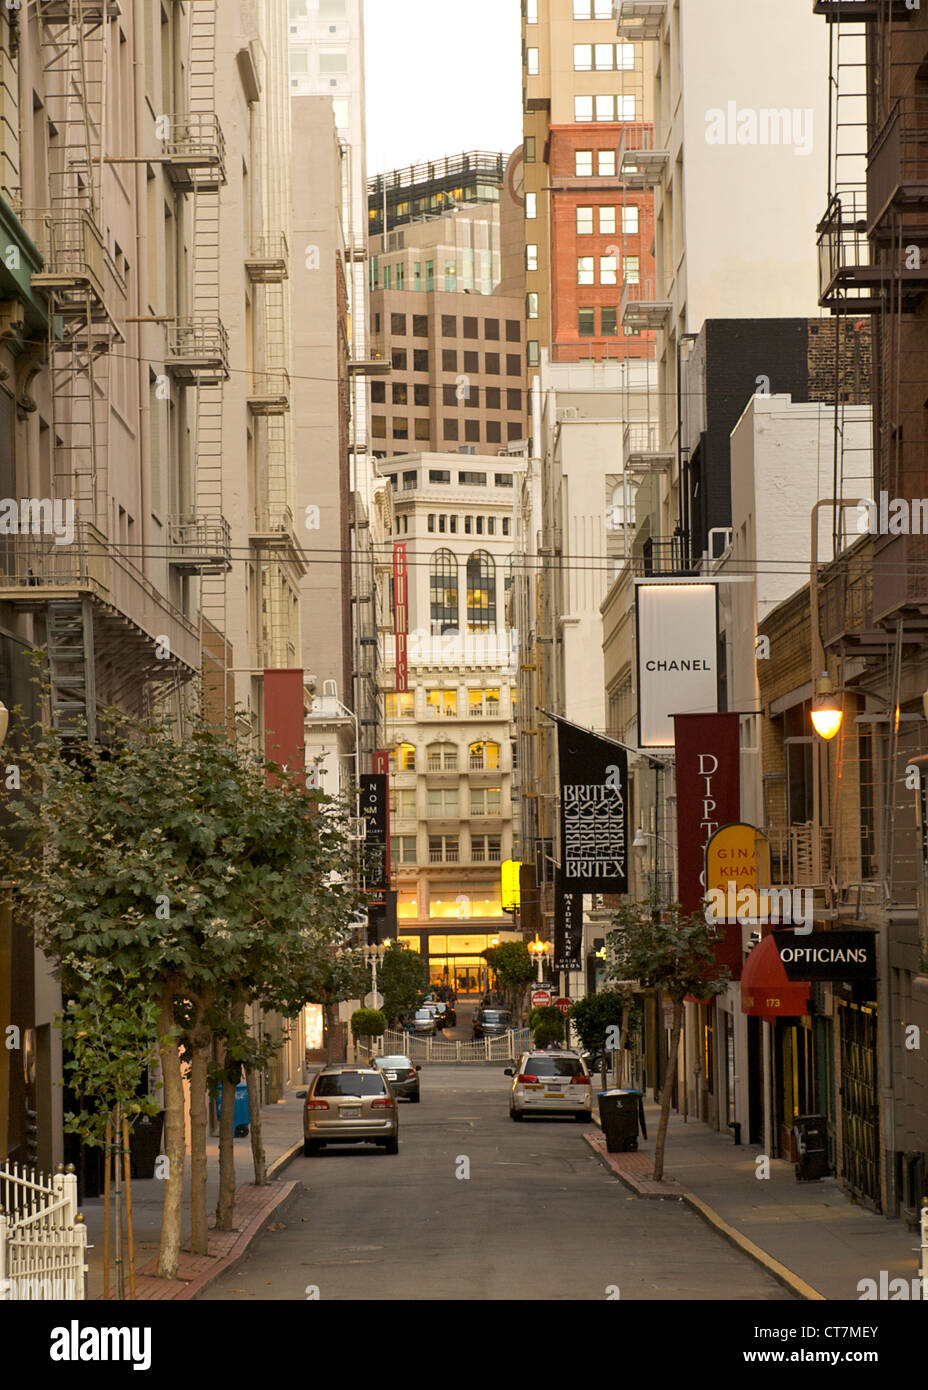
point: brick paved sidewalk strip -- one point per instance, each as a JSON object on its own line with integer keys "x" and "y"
{"x": 254, "y": 1208}
{"x": 634, "y": 1169}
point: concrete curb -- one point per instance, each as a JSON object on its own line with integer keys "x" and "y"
{"x": 774, "y": 1268}
{"x": 280, "y": 1163}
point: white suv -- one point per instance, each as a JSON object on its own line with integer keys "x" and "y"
{"x": 550, "y": 1083}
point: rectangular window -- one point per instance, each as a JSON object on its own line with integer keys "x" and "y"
{"x": 449, "y": 395}
{"x": 505, "y": 525}
{"x": 468, "y": 479}
{"x": 398, "y": 359}
{"x": 453, "y": 525}
{"x": 492, "y": 397}
{"x": 504, "y": 480}
{"x": 449, "y": 326}
{"x": 491, "y": 362}
{"x": 605, "y": 163}
{"x": 451, "y": 277}
{"x": 583, "y": 109}
{"x": 472, "y": 431}
{"x": 379, "y": 426}
{"x": 469, "y": 328}
{"x": 531, "y": 11}
{"x": 443, "y": 801}
{"x": 472, "y": 362}
{"x": 609, "y": 319}
{"x": 531, "y": 62}
{"x": 479, "y": 521}
{"x": 400, "y": 706}
{"x": 439, "y": 475}
{"x": 449, "y": 429}
{"x": 420, "y": 360}
{"x": 513, "y": 431}
{"x": 605, "y": 107}
{"x": 607, "y": 221}
{"x": 604, "y": 56}
{"x": 378, "y": 392}
{"x": 491, "y": 329}
{"x": 513, "y": 364}
{"x": 429, "y": 275}
{"x": 398, "y": 325}
{"x": 420, "y": 325}
{"x": 468, "y": 525}
{"x": 584, "y": 221}
{"x": 583, "y": 163}
{"x": 531, "y": 256}
{"x": 532, "y": 357}
{"x": 528, "y": 147}
{"x": 583, "y": 57}
{"x": 387, "y": 274}
{"x": 449, "y": 360}
{"x": 586, "y": 323}
{"x": 494, "y": 432}
{"x": 625, "y": 108}
{"x": 491, "y": 525}
{"x": 442, "y": 704}
{"x": 531, "y": 306}
{"x": 399, "y": 393}
{"x": 333, "y": 62}
{"x": 417, "y": 275}
{"x": 625, "y": 57}
{"x": 401, "y": 277}
{"x": 430, "y": 523}
{"x": 585, "y": 272}
{"x": 409, "y": 480}
{"x": 608, "y": 270}
{"x": 630, "y": 219}
{"x": 513, "y": 331}
{"x": 420, "y": 395}
{"x": 631, "y": 269}
{"x": 514, "y": 400}
{"x": 422, "y": 429}
{"x": 531, "y": 206}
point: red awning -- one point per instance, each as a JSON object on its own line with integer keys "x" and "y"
{"x": 765, "y": 990}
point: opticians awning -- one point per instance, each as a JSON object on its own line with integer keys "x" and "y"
{"x": 765, "y": 990}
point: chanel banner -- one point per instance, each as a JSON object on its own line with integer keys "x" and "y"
{"x": 595, "y": 811}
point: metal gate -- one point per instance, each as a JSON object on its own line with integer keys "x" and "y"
{"x": 43, "y": 1240}
{"x": 860, "y": 1114}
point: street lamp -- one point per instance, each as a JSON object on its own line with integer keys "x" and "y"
{"x": 827, "y": 714}
{"x": 373, "y": 956}
{"x": 539, "y": 950}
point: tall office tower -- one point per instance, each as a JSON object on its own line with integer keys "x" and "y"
{"x": 448, "y": 323}
{"x": 588, "y": 228}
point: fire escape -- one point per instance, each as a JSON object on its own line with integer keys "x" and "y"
{"x": 103, "y": 618}
{"x": 198, "y": 356}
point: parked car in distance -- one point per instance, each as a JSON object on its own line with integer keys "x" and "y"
{"x": 423, "y": 1023}
{"x": 552, "y": 1083}
{"x": 350, "y": 1105}
{"x": 451, "y": 1016}
{"x": 402, "y": 1075}
{"x": 491, "y": 1023}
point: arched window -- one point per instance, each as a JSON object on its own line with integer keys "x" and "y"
{"x": 443, "y": 589}
{"x": 442, "y": 757}
{"x": 403, "y": 758}
{"x": 483, "y": 757}
{"x": 619, "y": 514}
{"x": 481, "y": 592}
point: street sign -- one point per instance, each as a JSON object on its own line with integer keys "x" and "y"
{"x": 541, "y": 998}
{"x": 373, "y": 1001}
{"x": 562, "y": 1004}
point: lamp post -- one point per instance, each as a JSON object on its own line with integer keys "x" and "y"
{"x": 373, "y": 956}
{"x": 640, "y": 844}
{"x": 539, "y": 950}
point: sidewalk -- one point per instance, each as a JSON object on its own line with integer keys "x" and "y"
{"x": 255, "y": 1208}
{"x": 809, "y": 1235}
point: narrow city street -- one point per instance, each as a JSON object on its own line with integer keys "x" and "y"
{"x": 538, "y": 1217}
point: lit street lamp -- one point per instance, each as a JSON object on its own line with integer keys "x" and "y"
{"x": 539, "y": 950}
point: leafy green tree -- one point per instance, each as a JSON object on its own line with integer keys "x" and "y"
{"x": 367, "y": 1023}
{"x": 514, "y": 969}
{"x": 672, "y": 951}
{"x": 402, "y": 978}
{"x": 180, "y": 865}
{"x": 547, "y": 1025}
{"x": 594, "y": 1016}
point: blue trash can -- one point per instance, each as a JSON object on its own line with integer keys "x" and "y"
{"x": 241, "y": 1115}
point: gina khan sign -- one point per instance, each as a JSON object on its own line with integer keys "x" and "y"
{"x": 677, "y": 657}
{"x": 828, "y": 955}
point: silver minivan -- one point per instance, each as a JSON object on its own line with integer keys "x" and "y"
{"x": 350, "y": 1105}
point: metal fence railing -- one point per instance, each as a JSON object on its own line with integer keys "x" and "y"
{"x": 43, "y": 1240}
{"x": 506, "y": 1048}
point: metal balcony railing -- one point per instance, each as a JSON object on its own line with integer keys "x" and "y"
{"x": 200, "y": 544}
{"x": 897, "y": 163}
{"x": 73, "y": 250}
{"x": 642, "y": 449}
{"x": 637, "y": 20}
{"x": 846, "y": 594}
{"x": 644, "y": 305}
{"x": 861, "y": 11}
{"x": 198, "y": 351}
{"x": 273, "y": 523}
{"x": 269, "y": 391}
{"x": 644, "y": 153}
{"x": 195, "y": 151}
{"x": 665, "y": 555}
{"x": 269, "y": 258}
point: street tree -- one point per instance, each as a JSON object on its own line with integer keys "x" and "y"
{"x": 180, "y": 865}
{"x": 512, "y": 964}
{"x": 402, "y": 977}
{"x": 594, "y": 1015}
{"x": 672, "y": 951}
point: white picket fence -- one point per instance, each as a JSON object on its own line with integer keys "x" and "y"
{"x": 43, "y": 1239}
{"x": 508, "y": 1047}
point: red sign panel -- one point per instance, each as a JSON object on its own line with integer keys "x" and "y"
{"x": 541, "y": 998}
{"x": 708, "y": 778}
{"x": 284, "y": 729}
{"x": 563, "y": 1005}
{"x": 400, "y": 615}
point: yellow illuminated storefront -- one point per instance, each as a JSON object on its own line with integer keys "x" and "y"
{"x": 456, "y": 959}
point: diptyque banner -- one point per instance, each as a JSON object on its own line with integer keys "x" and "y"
{"x": 708, "y": 768}
{"x": 595, "y": 811}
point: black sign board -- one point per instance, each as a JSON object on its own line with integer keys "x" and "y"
{"x": 381, "y": 919}
{"x": 568, "y": 926}
{"x": 828, "y": 955}
{"x": 374, "y": 795}
{"x": 595, "y": 811}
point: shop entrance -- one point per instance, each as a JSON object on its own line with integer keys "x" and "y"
{"x": 860, "y": 1114}
{"x": 468, "y": 976}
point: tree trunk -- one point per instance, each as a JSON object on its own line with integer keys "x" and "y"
{"x": 667, "y": 1091}
{"x": 225, "y": 1205}
{"x": 199, "y": 1235}
{"x": 175, "y": 1147}
{"x": 257, "y": 1142}
{"x": 623, "y": 1042}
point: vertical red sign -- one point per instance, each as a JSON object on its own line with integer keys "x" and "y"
{"x": 400, "y": 615}
{"x": 708, "y": 780}
{"x": 380, "y": 762}
{"x": 284, "y": 726}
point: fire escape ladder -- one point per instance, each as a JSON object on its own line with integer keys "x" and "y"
{"x": 69, "y": 633}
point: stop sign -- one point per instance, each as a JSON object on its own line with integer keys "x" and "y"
{"x": 541, "y": 998}
{"x": 562, "y": 1004}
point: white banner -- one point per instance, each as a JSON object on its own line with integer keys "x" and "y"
{"x": 677, "y": 657}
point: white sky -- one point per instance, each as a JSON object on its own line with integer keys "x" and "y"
{"x": 443, "y": 76}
